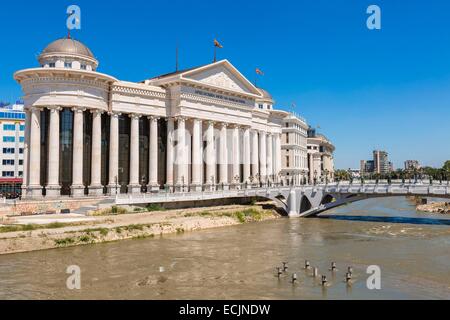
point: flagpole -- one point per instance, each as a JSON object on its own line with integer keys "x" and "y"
{"x": 215, "y": 54}
{"x": 177, "y": 60}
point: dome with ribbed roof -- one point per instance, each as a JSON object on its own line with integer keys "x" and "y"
{"x": 68, "y": 46}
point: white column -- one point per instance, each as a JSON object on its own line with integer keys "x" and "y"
{"x": 236, "y": 156}
{"x": 170, "y": 151}
{"x": 263, "y": 156}
{"x": 181, "y": 163}
{"x": 114, "y": 187}
{"x": 270, "y": 157}
{"x": 247, "y": 156}
{"x": 210, "y": 157}
{"x": 153, "y": 184}
{"x": 96, "y": 188}
{"x": 197, "y": 158}
{"x": 255, "y": 157}
{"x": 223, "y": 156}
{"x": 78, "y": 139}
{"x": 35, "y": 189}
{"x": 53, "y": 187}
{"x": 134, "y": 187}
{"x": 26, "y": 154}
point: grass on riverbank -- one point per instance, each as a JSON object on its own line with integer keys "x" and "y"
{"x": 33, "y": 227}
{"x": 115, "y": 210}
{"x": 243, "y": 216}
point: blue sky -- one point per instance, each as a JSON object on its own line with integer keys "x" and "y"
{"x": 387, "y": 89}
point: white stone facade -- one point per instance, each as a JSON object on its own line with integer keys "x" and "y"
{"x": 321, "y": 158}
{"x": 199, "y": 129}
{"x": 294, "y": 153}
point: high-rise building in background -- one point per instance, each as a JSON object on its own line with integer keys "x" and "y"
{"x": 380, "y": 164}
{"x": 412, "y": 164}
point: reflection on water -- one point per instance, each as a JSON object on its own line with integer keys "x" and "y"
{"x": 239, "y": 262}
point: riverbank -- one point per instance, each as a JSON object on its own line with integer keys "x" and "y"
{"x": 118, "y": 224}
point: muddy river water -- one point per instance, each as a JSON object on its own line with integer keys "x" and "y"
{"x": 412, "y": 249}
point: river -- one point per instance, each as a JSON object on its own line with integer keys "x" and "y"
{"x": 412, "y": 249}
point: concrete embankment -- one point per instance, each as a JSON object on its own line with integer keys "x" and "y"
{"x": 23, "y": 234}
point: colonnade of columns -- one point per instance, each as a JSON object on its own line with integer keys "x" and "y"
{"x": 190, "y": 164}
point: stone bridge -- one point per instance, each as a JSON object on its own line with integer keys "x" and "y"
{"x": 301, "y": 201}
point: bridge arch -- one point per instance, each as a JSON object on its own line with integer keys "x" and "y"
{"x": 327, "y": 199}
{"x": 305, "y": 204}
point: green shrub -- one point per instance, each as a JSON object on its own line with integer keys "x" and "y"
{"x": 154, "y": 207}
{"x": 104, "y": 232}
{"x": 64, "y": 242}
{"x": 85, "y": 239}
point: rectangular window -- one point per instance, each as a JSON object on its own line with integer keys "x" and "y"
{"x": 8, "y": 162}
{"x": 21, "y": 150}
{"x": 20, "y": 162}
{"x": 8, "y": 174}
{"x": 22, "y": 127}
{"x": 52, "y": 65}
{"x": 9, "y": 139}
{"x": 83, "y": 67}
{"x": 9, "y": 150}
{"x": 287, "y": 162}
{"x": 68, "y": 65}
{"x": 22, "y": 139}
{"x": 9, "y": 127}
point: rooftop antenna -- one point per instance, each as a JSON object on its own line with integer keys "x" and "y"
{"x": 177, "y": 58}
{"x": 68, "y": 29}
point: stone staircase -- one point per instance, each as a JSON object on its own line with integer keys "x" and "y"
{"x": 104, "y": 203}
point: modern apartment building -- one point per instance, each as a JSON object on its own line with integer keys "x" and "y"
{"x": 12, "y": 138}
{"x": 379, "y": 165}
{"x": 412, "y": 165}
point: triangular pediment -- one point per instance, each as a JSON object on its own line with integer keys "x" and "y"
{"x": 222, "y": 75}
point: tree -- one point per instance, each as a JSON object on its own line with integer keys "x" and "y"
{"x": 446, "y": 166}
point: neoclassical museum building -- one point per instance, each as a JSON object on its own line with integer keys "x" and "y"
{"x": 90, "y": 134}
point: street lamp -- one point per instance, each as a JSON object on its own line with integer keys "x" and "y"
{"x": 143, "y": 186}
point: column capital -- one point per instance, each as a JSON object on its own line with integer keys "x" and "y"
{"x": 195, "y": 120}
{"x": 223, "y": 125}
{"x": 154, "y": 118}
{"x": 181, "y": 119}
{"x": 97, "y": 111}
{"x": 54, "y": 109}
{"x": 114, "y": 114}
{"x": 33, "y": 109}
{"x": 78, "y": 109}
{"x": 135, "y": 116}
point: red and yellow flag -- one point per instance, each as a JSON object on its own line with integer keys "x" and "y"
{"x": 217, "y": 44}
{"x": 259, "y": 72}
